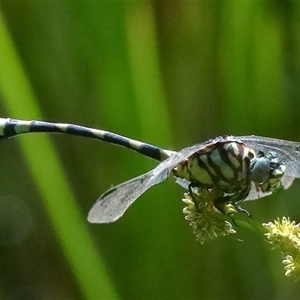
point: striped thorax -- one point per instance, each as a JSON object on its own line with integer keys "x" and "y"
{"x": 224, "y": 164}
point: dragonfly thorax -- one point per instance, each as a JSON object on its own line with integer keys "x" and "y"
{"x": 224, "y": 165}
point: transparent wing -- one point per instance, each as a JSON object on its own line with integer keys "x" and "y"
{"x": 183, "y": 182}
{"x": 256, "y": 193}
{"x": 112, "y": 204}
{"x": 289, "y": 152}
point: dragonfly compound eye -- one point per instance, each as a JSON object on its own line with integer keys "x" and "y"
{"x": 267, "y": 171}
{"x": 260, "y": 169}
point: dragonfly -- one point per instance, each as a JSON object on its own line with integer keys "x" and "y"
{"x": 240, "y": 167}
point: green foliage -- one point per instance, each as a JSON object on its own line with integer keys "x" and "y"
{"x": 171, "y": 74}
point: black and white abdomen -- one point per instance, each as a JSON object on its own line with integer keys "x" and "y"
{"x": 224, "y": 165}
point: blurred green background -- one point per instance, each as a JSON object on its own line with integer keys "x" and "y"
{"x": 169, "y": 73}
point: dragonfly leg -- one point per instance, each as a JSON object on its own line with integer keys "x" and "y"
{"x": 190, "y": 188}
{"x": 228, "y": 204}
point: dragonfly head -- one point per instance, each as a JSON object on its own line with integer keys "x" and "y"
{"x": 267, "y": 170}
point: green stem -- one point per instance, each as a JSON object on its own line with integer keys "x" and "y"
{"x": 246, "y": 222}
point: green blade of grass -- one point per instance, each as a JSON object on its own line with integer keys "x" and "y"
{"x": 70, "y": 226}
{"x": 145, "y": 69}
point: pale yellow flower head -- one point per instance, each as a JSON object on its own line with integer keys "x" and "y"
{"x": 285, "y": 236}
{"x": 207, "y": 222}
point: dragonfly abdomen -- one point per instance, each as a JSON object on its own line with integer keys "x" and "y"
{"x": 11, "y": 127}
